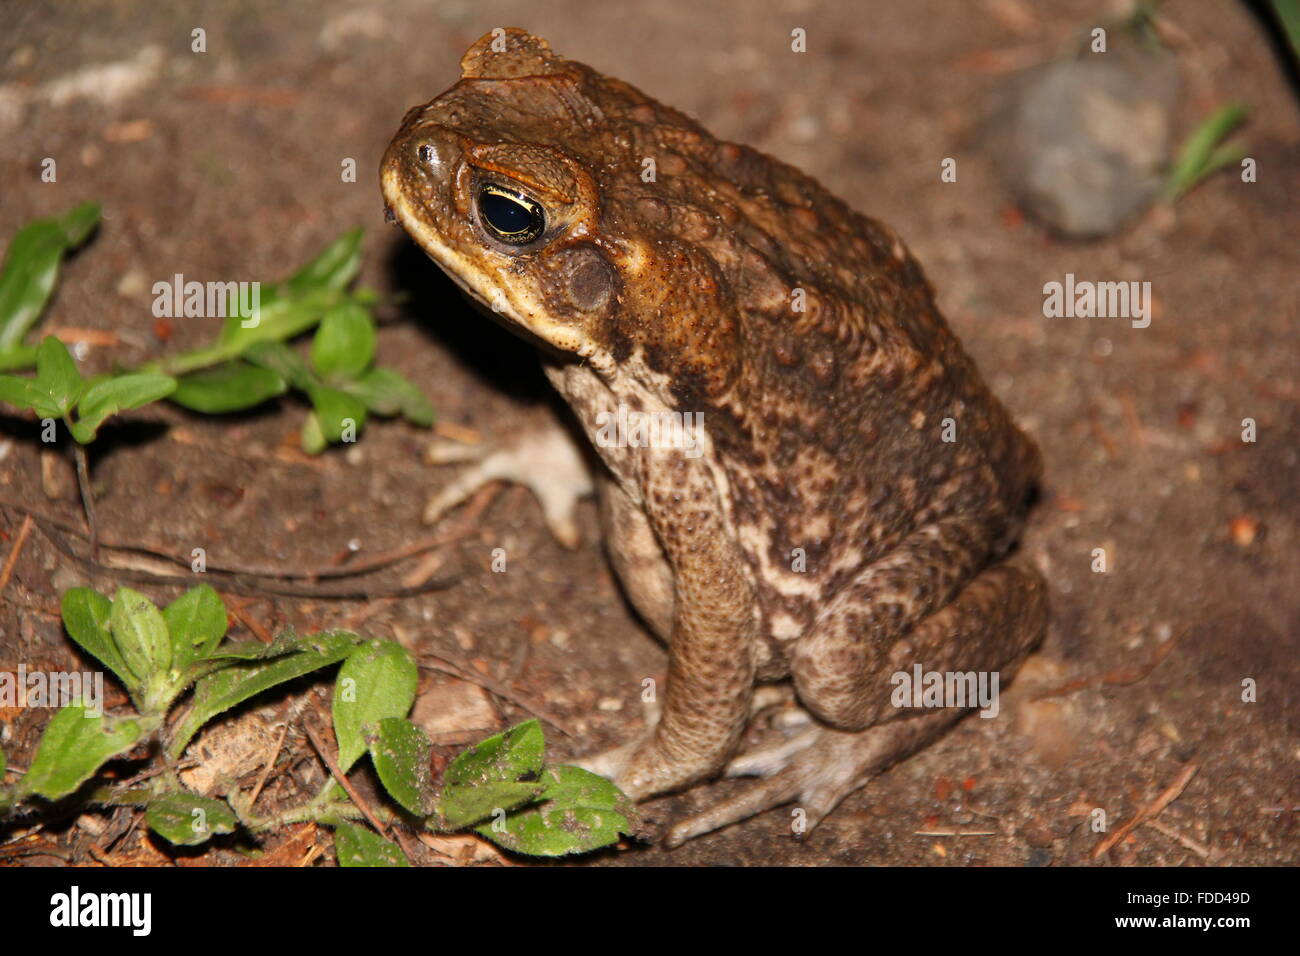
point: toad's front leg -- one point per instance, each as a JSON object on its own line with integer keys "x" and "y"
{"x": 711, "y": 665}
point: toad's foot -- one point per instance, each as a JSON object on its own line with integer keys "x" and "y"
{"x": 548, "y": 462}
{"x": 815, "y": 769}
{"x": 610, "y": 763}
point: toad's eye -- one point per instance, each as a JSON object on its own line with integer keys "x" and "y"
{"x": 509, "y": 215}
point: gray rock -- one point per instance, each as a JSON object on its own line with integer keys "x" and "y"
{"x": 1083, "y": 142}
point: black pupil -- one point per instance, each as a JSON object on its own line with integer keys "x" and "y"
{"x": 511, "y": 218}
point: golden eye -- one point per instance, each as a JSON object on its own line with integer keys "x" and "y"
{"x": 509, "y": 215}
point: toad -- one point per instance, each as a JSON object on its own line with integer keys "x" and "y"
{"x": 830, "y": 494}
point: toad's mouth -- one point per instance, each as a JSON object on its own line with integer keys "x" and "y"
{"x": 489, "y": 289}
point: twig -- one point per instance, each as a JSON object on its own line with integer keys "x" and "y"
{"x": 266, "y": 771}
{"x": 377, "y": 562}
{"x": 1200, "y": 849}
{"x": 1121, "y": 677}
{"x": 339, "y": 776}
{"x": 239, "y": 584}
{"x": 1148, "y": 812}
{"x": 253, "y": 624}
{"x": 182, "y": 765}
{"x": 12, "y": 560}
{"x": 245, "y": 580}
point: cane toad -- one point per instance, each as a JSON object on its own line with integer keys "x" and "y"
{"x": 842, "y": 495}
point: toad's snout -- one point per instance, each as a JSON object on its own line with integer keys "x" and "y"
{"x": 419, "y": 165}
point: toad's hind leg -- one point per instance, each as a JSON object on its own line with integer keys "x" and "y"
{"x": 992, "y": 624}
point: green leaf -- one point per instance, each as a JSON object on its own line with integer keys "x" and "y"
{"x": 75, "y": 745}
{"x": 344, "y": 344}
{"x": 3, "y": 765}
{"x": 578, "y": 811}
{"x": 31, "y": 269}
{"x": 378, "y": 680}
{"x": 57, "y": 375}
{"x": 401, "y": 753}
{"x": 333, "y": 269}
{"x": 511, "y": 755}
{"x": 334, "y": 409}
{"x": 387, "y": 393}
{"x": 186, "y": 819}
{"x": 1194, "y": 159}
{"x": 140, "y": 634}
{"x": 114, "y": 395}
{"x": 257, "y": 651}
{"x": 87, "y": 615}
{"x": 312, "y": 437}
{"x": 223, "y": 689}
{"x": 461, "y": 807}
{"x": 290, "y": 308}
{"x": 492, "y": 776}
{"x": 231, "y": 387}
{"x": 24, "y": 393}
{"x": 196, "y": 622}
{"x": 56, "y": 387}
{"x": 283, "y": 361}
{"x": 357, "y": 846}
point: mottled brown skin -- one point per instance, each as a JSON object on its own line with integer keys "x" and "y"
{"x": 733, "y": 285}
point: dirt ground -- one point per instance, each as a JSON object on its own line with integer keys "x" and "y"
{"x": 226, "y": 165}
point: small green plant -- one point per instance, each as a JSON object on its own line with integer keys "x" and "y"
{"x": 250, "y": 363}
{"x": 502, "y": 788}
{"x": 1204, "y": 153}
{"x": 58, "y": 388}
{"x": 31, "y": 270}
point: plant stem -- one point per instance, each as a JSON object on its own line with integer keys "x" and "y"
{"x": 87, "y": 495}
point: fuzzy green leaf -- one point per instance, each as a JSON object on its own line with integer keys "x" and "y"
{"x": 401, "y": 753}
{"x": 76, "y": 744}
{"x": 462, "y": 807}
{"x": 378, "y": 680}
{"x": 577, "y": 812}
{"x": 511, "y": 755}
{"x": 223, "y": 689}
{"x": 196, "y": 622}
{"x": 496, "y": 774}
{"x": 357, "y": 846}
{"x": 140, "y": 634}
{"x": 86, "y": 616}
{"x": 186, "y": 819}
